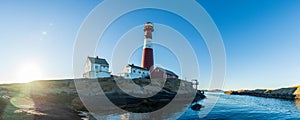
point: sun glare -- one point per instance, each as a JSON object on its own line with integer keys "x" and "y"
{"x": 29, "y": 72}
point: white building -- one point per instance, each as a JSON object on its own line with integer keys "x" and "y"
{"x": 131, "y": 72}
{"x": 96, "y": 67}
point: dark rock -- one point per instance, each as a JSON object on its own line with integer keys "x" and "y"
{"x": 196, "y": 107}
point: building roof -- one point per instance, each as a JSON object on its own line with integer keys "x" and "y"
{"x": 98, "y": 60}
{"x": 168, "y": 72}
{"x": 138, "y": 67}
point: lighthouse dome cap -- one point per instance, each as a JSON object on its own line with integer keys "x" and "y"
{"x": 149, "y": 23}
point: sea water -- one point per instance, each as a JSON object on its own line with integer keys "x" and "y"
{"x": 244, "y": 107}
{"x": 219, "y": 106}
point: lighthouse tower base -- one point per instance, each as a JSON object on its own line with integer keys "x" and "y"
{"x": 147, "y": 58}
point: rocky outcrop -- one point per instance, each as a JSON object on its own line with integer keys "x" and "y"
{"x": 59, "y": 99}
{"x": 297, "y": 93}
{"x": 114, "y": 90}
{"x": 283, "y": 93}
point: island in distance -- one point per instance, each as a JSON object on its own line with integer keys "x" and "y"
{"x": 215, "y": 90}
{"x": 291, "y": 93}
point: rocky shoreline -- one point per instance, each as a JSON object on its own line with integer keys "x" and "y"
{"x": 59, "y": 99}
{"x": 290, "y": 93}
{"x": 138, "y": 104}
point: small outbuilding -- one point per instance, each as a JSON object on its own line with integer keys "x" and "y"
{"x": 159, "y": 72}
{"x": 96, "y": 67}
{"x": 132, "y": 72}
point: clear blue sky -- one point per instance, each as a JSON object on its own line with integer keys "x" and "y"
{"x": 261, "y": 38}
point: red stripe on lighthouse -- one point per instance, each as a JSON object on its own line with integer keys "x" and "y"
{"x": 147, "y": 58}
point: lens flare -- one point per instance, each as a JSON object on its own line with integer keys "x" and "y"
{"x": 29, "y": 72}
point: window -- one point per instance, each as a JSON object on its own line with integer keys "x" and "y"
{"x": 139, "y": 72}
{"x": 133, "y": 71}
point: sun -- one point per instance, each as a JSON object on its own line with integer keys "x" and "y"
{"x": 29, "y": 72}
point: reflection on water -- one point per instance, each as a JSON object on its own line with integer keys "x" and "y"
{"x": 228, "y": 106}
{"x": 174, "y": 113}
{"x": 297, "y": 101}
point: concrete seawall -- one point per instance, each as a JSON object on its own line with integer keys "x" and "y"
{"x": 283, "y": 93}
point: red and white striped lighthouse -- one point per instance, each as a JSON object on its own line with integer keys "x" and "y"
{"x": 147, "y": 58}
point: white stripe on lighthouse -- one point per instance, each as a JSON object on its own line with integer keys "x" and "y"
{"x": 147, "y": 43}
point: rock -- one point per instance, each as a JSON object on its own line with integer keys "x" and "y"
{"x": 283, "y": 93}
{"x": 196, "y": 107}
{"x": 59, "y": 99}
{"x": 297, "y": 93}
{"x": 76, "y": 104}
